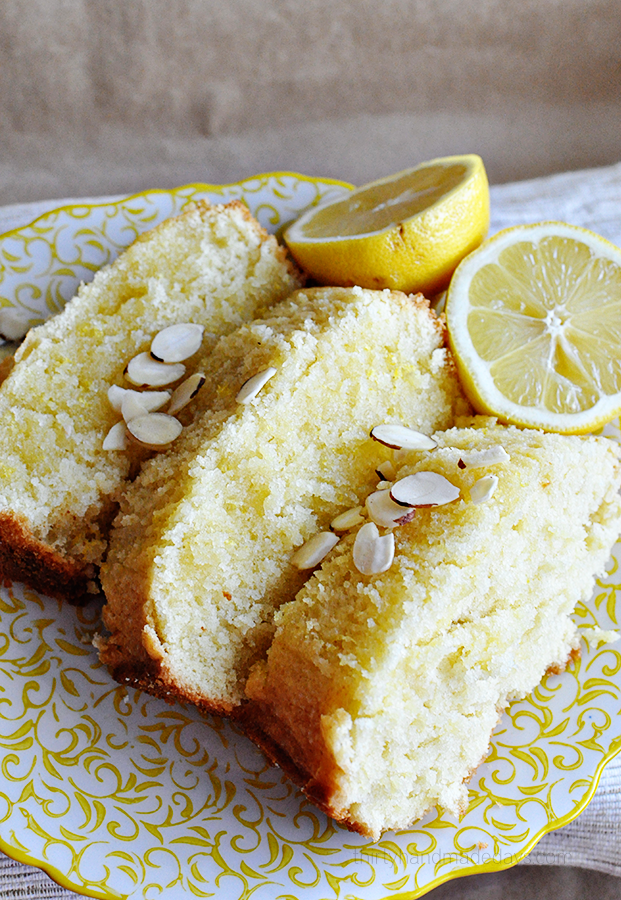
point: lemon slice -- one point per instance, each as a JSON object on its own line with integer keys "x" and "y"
{"x": 406, "y": 232}
{"x": 534, "y": 321}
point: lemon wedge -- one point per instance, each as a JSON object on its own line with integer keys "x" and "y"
{"x": 406, "y": 232}
{"x": 534, "y": 322}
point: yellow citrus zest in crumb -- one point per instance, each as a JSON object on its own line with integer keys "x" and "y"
{"x": 405, "y": 232}
{"x": 534, "y": 320}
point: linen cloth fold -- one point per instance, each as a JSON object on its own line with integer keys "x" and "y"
{"x": 589, "y": 198}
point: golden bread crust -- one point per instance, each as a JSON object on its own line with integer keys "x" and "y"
{"x": 281, "y": 739}
{"x": 151, "y": 677}
{"x": 261, "y": 726}
{"x": 24, "y": 558}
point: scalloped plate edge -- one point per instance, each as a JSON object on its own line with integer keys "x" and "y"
{"x": 480, "y": 869}
{"x": 195, "y": 186}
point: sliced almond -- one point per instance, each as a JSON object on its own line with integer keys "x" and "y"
{"x": 116, "y": 439}
{"x": 386, "y": 471}
{"x": 14, "y": 323}
{"x": 483, "y": 489}
{"x": 155, "y": 429}
{"x": 132, "y": 407}
{"x": 144, "y": 371}
{"x": 348, "y": 519}
{"x": 115, "y": 396}
{"x": 399, "y": 437}
{"x": 150, "y": 400}
{"x": 177, "y": 342}
{"x": 373, "y": 553}
{"x": 424, "y": 489}
{"x": 186, "y": 391}
{"x": 477, "y": 459}
{"x": 383, "y": 510}
{"x": 314, "y": 550}
{"x": 250, "y": 388}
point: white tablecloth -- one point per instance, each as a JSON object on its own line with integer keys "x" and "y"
{"x": 590, "y": 198}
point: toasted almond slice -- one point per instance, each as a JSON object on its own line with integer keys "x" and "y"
{"x": 144, "y": 371}
{"x": 186, "y": 391}
{"x": 348, "y": 519}
{"x": 132, "y": 406}
{"x": 483, "y": 489}
{"x": 177, "y": 342}
{"x": 373, "y": 553}
{"x": 250, "y": 388}
{"x": 116, "y": 439}
{"x": 383, "y": 510}
{"x": 399, "y": 437}
{"x": 14, "y": 323}
{"x": 477, "y": 459}
{"x": 115, "y": 396}
{"x": 424, "y": 489}
{"x": 150, "y": 400}
{"x": 386, "y": 471}
{"x": 314, "y": 550}
{"x": 155, "y": 429}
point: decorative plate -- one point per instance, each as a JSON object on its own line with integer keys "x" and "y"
{"x": 115, "y": 794}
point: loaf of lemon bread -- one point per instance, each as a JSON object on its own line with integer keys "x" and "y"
{"x": 213, "y": 266}
{"x": 201, "y": 552}
{"x": 380, "y": 690}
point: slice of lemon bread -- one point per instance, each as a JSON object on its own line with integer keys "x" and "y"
{"x": 380, "y": 691}
{"x": 212, "y": 265}
{"x": 201, "y": 553}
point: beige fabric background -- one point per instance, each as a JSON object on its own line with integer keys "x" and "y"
{"x": 103, "y": 96}
{"x": 114, "y": 96}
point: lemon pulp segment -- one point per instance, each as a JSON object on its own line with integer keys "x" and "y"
{"x": 405, "y": 232}
{"x": 385, "y": 203}
{"x": 535, "y": 322}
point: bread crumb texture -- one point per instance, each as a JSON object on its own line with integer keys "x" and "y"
{"x": 200, "y": 553}
{"x": 381, "y": 692}
{"x": 213, "y": 265}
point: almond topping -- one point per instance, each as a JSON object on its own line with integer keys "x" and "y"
{"x": 250, "y": 388}
{"x": 116, "y": 439}
{"x": 13, "y": 324}
{"x": 424, "y": 489}
{"x": 186, "y": 391}
{"x": 155, "y": 429}
{"x": 483, "y": 489}
{"x": 386, "y": 471}
{"x": 177, "y": 342}
{"x": 373, "y": 553}
{"x": 401, "y": 438}
{"x": 115, "y": 396}
{"x": 348, "y": 519}
{"x": 383, "y": 510}
{"x": 150, "y": 400}
{"x": 144, "y": 371}
{"x": 314, "y": 550}
{"x": 476, "y": 459}
{"x": 132, "y": 407}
